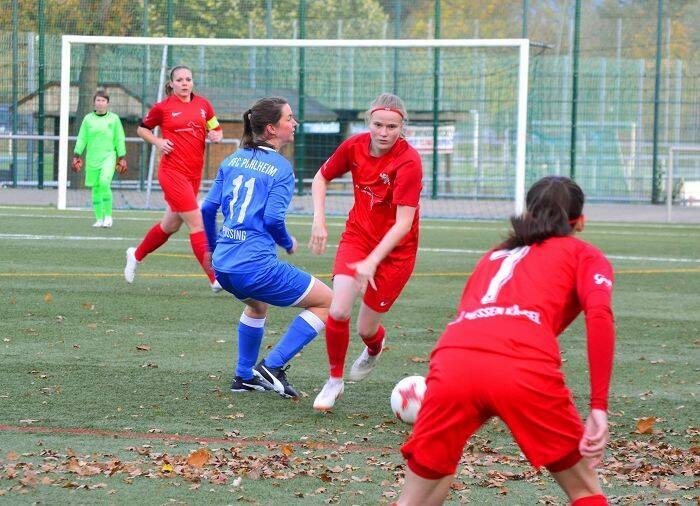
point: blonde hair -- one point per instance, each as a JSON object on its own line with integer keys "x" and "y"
{"x": 388, "y": 101}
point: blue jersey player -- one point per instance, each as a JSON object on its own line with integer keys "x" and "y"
{"x": 253, "y": 189}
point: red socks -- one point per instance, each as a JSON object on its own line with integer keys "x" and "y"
{"x": 591, "y": 500}
{"x": 337, "y": 342}
{"x": 200, "y": 247}
{"x": 374, "y": 343}
{"x": 153, "y": 240}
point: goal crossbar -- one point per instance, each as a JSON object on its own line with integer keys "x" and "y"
{"x": 523, "y": 57}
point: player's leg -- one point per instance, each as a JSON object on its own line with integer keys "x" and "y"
{"x": 548, "y": 427}
{"x": 373, "y": 335}
{"x": 337, "y": 339}
{"x": 581, "y": 484}
{"x": 305, "y": 327}
{"x": 105, "y": 182}
{"x": 92, "y": 181}
{"x": 292, "y": 286}
{"x": 419, "y": 491}
{"x": 251, "y": 329}
{"x": 198, "y": 240}
{"x": 390, "y": 278}
{"x": 192, "y": 216}
{"x": 156, "y": 236}
{"x": 338, "y": 326}
{"x": 453, "y": 409}
{"x": 97, "y": 209}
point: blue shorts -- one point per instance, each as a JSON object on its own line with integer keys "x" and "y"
{"x": 281, "y": 285}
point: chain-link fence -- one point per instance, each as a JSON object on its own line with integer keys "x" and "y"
{"x": 613, "y": 85}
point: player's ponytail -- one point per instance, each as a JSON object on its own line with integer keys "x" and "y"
{"x": 266, "y": 111}
{"x": 553, "y": 204}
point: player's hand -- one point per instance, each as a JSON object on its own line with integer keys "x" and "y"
{"x": 77, "y": 164}
{"x": 294, "y": 247}
{"x": 215, "y": 135}
{"x": 595, "y": 436}
{"x": 364, "y": 274}
{"x": 165, "y": 146}
{"x": 122, "y": 167}
{"x": 319, "y": 236}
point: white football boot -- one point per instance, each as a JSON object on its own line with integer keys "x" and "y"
{"x": 331, "y": 392}
{"x": 131, "y": 264}
{"x": 364, "y": 364}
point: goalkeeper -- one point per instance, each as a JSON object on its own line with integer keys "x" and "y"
{"x": 102, "y": 134}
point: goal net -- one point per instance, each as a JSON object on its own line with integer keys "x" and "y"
{"x": 466, "y": 99}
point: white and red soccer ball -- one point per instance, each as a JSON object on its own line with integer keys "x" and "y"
{"x": 407, "y": 398}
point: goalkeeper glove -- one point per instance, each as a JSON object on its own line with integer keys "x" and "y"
{"x": 77, "y": 164}
{"x": 121, "y": 165}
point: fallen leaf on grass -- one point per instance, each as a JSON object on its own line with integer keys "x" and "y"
{"x": 48, "y": 297}
{"x": 645, "y": 425}
{"x": 287, "y": 450}
{"x": 143, "y": 347}
{"x": 199, "y": 458}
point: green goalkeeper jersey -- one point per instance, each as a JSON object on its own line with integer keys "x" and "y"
{"x": 103, "y": 135}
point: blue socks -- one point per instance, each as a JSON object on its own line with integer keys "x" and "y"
{"x": 250, "y": 336}
{"x": 301, "y": 332}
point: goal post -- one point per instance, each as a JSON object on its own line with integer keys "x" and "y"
{"x": 688, "y": 179}
{"x": 515, "y": 101}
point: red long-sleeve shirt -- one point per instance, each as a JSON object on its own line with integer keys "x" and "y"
{"x": 517, "y": 302}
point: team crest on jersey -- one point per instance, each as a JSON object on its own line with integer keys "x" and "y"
{"x": 204, "y": 114}
{"x": 602, "y": 280}
{"x": 385, "y": 178}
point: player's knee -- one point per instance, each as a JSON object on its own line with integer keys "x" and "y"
{"x": 339, "y": 314}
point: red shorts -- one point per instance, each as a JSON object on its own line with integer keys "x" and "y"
{"x": 391, "y": 275}
{"x": 466, "y": 388}
{"x": 179, "y": 191}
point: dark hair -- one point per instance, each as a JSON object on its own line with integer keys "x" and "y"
{"x": 168, "y": 86}
{"x": 266, "y": 111}
{"x": 100, "y": 93}
{"x": 551, "y": 205}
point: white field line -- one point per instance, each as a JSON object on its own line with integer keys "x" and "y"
{"x": 460, "y": 251}
{"x": 338, "y": 222}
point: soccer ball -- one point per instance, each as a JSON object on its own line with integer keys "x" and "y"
{"x": 407, "y": 397}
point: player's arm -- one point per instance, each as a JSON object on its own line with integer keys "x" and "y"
{"x": 165, "y": 146}
{"x": 214, "y": 131}
{"x": 80, "y": 143}
{"x": 119, "y": 138}
{"x": 120, "y": 145}
{"x": 275, "y": 212}
{"x": 595, "y": 292}
{"x": 319, "y": 231}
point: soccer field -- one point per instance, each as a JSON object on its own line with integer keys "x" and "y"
{"x": 107, "y": 388}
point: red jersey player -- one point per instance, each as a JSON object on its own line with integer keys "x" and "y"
{"x": 500, "y": 357}
{"x": 187, "y": 121}
{"x": 377, "y": 250}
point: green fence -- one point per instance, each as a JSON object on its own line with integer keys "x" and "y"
{"x": 612, "y": 85}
